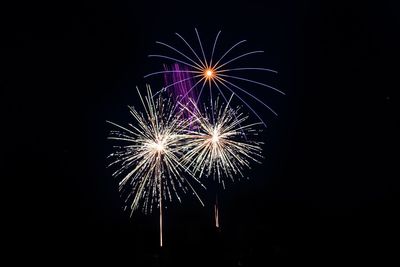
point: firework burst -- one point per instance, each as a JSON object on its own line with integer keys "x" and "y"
{"x": 214, "y": 72}
{"x": 219, "y": 146}
{"x": 149, "y": 162}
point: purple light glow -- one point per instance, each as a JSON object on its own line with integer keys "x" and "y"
{"x": 183, "y": 89}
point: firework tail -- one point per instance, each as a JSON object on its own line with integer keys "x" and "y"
{"x": 151, "y": 152}
{"x": 216, "y": 212}
{"x": 161, "y": 218}
{"x": 182, "y": 91}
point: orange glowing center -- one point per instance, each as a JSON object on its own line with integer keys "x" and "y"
{"x": 209, "y": 73}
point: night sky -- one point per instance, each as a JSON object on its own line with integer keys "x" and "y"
{"x": 325, "y": 192}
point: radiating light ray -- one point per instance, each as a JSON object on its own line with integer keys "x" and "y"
{"x": 191, "y": 88}
{"x": 215, "y": 71}
{"x": 201, "y": 62}
{"x": 235, "y": 69}
{"x": 201, "y": 90}
{"x": 170, "y": 71}
{"x": 221, "y": 146}
{"x": 222, "y": 93}
{"x": 172, "y": 84}
{"x": 228, "y": 102}
{"x": 150, "y": 160}
{"x": 229, "y": 50}
{"x": 244, "y": 91}
{"x": 177, "y": 60}
{"x": 248, "y": 106}
{"x": 201, "y": 47}
{"x": 251, "y": 81}
{"x": 182, "y": 91}
{"x": 218, "y": 147}
{"x": 215, "y": 43}
{"x": 238, "y": 57}
{"x": 179, "y": 52}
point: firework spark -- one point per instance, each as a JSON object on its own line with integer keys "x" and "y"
{"x": 181, "y": 91}
{"x": 215, "y": 72}
{"x": 150, "y": 160}
{"x": 220, "y": 146}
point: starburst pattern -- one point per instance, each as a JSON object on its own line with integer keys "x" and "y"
{"x": 221, "y": 144}
{"x": 214, "y": 72}
{"x": 149, "y": 162}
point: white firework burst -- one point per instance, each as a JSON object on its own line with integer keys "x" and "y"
{"x": 220, "y": 146}
{"x": 149, "y": 159}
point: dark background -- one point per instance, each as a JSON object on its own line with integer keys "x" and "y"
{"x": 326, "y": 191}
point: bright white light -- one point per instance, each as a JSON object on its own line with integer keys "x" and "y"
{"x": 158, "y": 146}
{"x": 215, "y": 137}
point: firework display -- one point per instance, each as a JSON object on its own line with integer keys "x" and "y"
{"x": 221, "y": 145}
{"x": 150, "y": 158}
{"x": 181, "y": 136}
{"x": 214, "y": 71}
